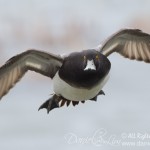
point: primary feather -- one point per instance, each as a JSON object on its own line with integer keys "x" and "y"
{"x": 130, "y": 43}
{"x": 38, "y": 61}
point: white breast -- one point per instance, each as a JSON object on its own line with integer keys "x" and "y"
{"x": 76, "y": 94}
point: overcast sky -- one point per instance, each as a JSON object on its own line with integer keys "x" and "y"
{"x": 63, "y": 26}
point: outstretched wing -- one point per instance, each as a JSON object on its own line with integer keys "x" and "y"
{"x": 130, "y": 43}
{"x": 38, "y": 61}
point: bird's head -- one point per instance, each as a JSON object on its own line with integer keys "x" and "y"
{"x": 91, "y": 61}
{"x": 85, "y": 66}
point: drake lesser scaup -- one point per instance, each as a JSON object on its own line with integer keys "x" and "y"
{"x": 79, "y": 76}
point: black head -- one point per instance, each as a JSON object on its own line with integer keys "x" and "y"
{"x": 84, "y": 69}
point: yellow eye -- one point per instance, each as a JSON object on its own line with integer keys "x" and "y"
{"x": 97, "y": 57}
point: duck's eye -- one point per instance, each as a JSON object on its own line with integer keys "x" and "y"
{"x": 84, "y": 57}
{"x": 97, "y": 57}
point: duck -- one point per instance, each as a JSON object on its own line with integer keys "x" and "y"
{"x": 78, "y": 76}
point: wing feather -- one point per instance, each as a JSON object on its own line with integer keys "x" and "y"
{"x": 34, "y": 60}
{"x": 135, "y": 51}
{"x": 130, "y": 43}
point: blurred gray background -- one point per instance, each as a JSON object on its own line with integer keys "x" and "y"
{"x": 63, "y": 26}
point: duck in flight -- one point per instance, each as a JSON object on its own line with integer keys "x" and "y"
{"x": 80, "y": 76}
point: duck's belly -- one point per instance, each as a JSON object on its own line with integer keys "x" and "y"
{"x": 76, "y": 94}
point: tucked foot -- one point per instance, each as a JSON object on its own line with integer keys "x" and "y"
{"x": 101, "y": 93}
{"x": 57, "y": 102}
{"x": 50, "y": 103}
{"x": 94, "y": 98}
